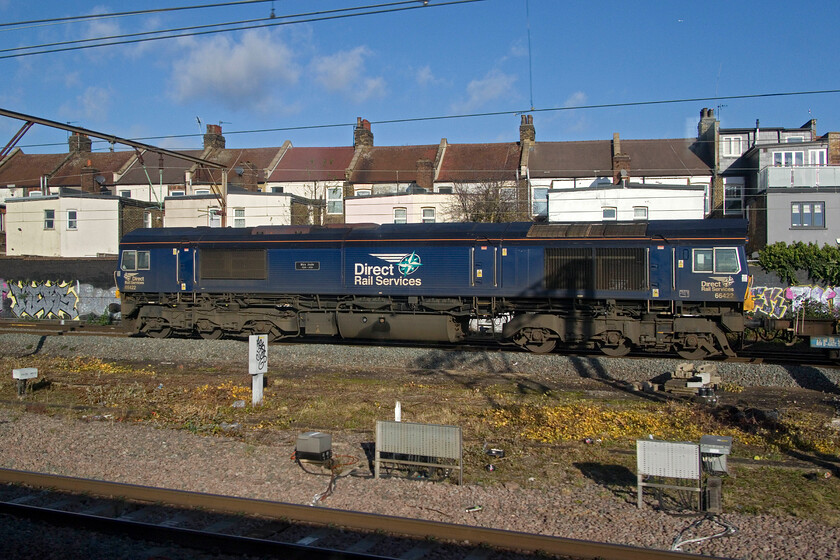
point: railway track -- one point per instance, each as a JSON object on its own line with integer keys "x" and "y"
{"x": 784, "y": 355}
{"x": 259, "y": 528}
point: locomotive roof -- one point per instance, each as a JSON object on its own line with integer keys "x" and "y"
{"x": 732, "y": 229}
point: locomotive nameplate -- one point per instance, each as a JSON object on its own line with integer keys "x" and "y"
{"x": 307, "y": 265}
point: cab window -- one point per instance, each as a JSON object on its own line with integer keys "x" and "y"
{"x": 704, "y": 260}
{"x": 135, "y": 260}
{"x": 716, "y": 261}
{"x": 726, "y": 261}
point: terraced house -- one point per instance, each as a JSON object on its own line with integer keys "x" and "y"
{"x": 79, "y": 203}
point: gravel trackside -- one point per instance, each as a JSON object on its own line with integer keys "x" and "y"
{"x": 144, "y": 455}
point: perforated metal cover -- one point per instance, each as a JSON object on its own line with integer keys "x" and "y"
{"x": 668, "y": 459}
{"x": 432, "y": 440}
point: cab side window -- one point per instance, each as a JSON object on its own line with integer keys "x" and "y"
{"x": 726, "y": 261}
{"x": 716, "y": 261}
{"x": 704, "y": 260}
{"x": 135, "y": 260}
{"x": 129, "y": 260}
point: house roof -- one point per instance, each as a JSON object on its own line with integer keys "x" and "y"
{"x": 391, "y": 164}
{"x": 312, "y": 164}
{"x": 173, "y": 169}
{"x": 63, "y": 170}
{"x": 480, "y": 162}
{"x": 664, "y": 157}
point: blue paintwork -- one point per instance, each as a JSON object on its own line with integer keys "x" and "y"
{"x": 445, "y": 260}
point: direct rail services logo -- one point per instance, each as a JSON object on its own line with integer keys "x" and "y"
{"x": 396, "y": 273}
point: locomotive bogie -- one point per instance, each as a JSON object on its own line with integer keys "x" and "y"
{"x": 621, "y": 286}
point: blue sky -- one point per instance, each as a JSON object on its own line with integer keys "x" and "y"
{"x": 433, "y": 61}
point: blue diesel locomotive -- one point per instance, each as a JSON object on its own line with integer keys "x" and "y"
{"x": 659, "y": 285}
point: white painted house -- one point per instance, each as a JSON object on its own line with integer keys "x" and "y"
{"x": 243, "y": 209}
{"x": 80, "y": 225}
{"x": 634, "y": 202}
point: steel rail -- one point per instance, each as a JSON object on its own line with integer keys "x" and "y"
{"x": 350, "y": 519}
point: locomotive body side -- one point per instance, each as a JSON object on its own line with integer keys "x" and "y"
{"x": 657, "y": 285}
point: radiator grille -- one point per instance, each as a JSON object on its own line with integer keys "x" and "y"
{"x": 584, "y": 268}
{"x": 568, "y": 269}
{"x": 621, "y": 269}
{"x": 225, "y": 264}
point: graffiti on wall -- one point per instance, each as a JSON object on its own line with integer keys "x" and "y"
{"x": 64, "y": 299}
{"x": 775, "y": 302}
{"x": 44, "y": 300}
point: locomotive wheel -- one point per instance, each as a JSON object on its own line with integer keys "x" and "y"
{"x": 541, "y": 347}
{"x": 160, "y": 332}
{"x": 214, "y": 334}
{"x": 615, "y": 351}
{"x": 693, "y": 353}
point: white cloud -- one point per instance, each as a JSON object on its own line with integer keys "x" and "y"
{"x": 91, "y": 106}
{"x": 424, "y": 76}
{"x": 344, "y": 72}
{"x": 577, "y": 99}
{"x": 495, "y": 85}
{"x": 248, "y": 72}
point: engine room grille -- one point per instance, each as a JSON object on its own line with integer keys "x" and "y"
{"x": 225, "y": 264}
{"x": 578, "y": 269}
{"x": 568, "y": 269}
{"x": 621, "y": 269}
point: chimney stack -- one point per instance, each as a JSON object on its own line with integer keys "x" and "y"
{"x": 362, "y": 135}
{"x": 527, "y": 132}
{"x": 425, "y": 174}
{"x": 213, "y": 137}
{"x": 833, "y": 147}
{"x": 620, "y": 162}
{"x": 89, "y": 183}
{"x": 79, "y": 143}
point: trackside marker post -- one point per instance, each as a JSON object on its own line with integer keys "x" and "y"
{"x": 22, "y": 375}
{"x": 257, "y": 365}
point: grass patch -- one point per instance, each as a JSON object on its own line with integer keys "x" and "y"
{"x": 542, "y": 431}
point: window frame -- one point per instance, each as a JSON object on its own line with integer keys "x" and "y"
{"x": 429, "y": 220}
{"x": 787, "y": 158}
{"x": 816, "y": 208}
{"x": 607, "y": 209}
{"x": 404, "y": 211}
{"x": 239, "y": 217}
{"x": 715, "y": 268}
{"x": 214, "y": 216}
{"x": 636, "y": 210}
{"x": 49, "y": 218}
{"x": 72, "y": 223}
{"x": 819, "y": 155}
{"x": 539, "y": 205}
{"x": 335, "y": 204}
{"x": 728, "y": 146}
{"x": 137, "y": 257}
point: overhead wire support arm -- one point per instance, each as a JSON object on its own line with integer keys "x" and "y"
{"x": 30, "y": 120}
{"x": 109, "y": 138}
{"x": 15, "y": 139}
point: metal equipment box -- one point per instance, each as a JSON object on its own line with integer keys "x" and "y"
{"x": 713, "y": 451}
{"x": 313, "y": 446}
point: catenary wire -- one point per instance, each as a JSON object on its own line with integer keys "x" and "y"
{"x": 488, "y": 114}
{"x": 69, "y": 19}
{"x": 272, "y": 23}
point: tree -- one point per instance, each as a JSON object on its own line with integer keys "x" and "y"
{"x": 486, "y": 201}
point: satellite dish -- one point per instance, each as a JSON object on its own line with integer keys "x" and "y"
{"x": 100, "y": 180}
{"x": 239, "y": 170}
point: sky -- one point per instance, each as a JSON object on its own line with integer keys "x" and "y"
{"x": 464, "y": 71}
